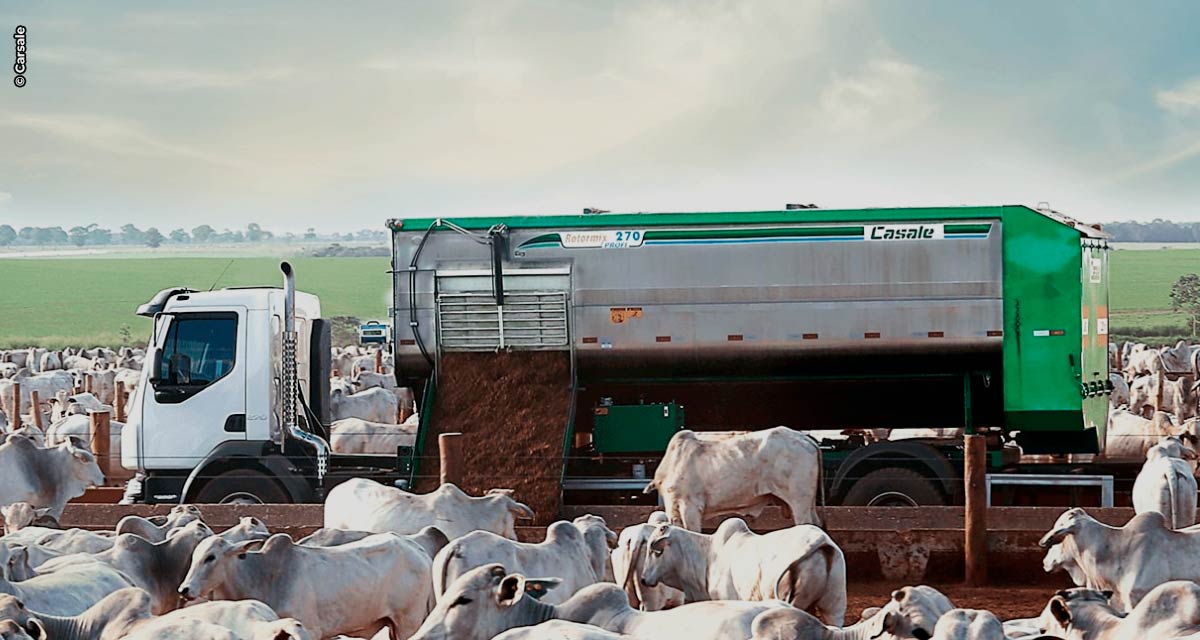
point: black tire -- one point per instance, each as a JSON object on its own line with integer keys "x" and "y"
{"x": 894, "y": 487}
{"x": 242, "y": 486}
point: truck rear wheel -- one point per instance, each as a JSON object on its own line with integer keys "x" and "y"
{"x": 242, "y": 486}
{"x": 894, "y": 487}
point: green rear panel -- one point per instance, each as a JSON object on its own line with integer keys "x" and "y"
{"x": 1050, "y": 366}
{"x": 636, "y": 428}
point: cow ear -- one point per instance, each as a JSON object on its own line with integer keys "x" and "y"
{"x": 1107, "y": 594}
{"x": 1060, "y": 611}
{"x": 884, "y": 622}
{"x": 538, "y": 587}
{"x": 510, "y": 590}
{"x": 35, "y": 629}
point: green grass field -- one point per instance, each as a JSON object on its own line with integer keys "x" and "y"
{"x": 57, "y": 302}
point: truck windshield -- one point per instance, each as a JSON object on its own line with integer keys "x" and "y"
{"x": 199, "y": 349}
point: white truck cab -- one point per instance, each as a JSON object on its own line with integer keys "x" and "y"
{"x": 209, "y": 419}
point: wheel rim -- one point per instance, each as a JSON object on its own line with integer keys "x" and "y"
{"x": 892, "y": 499}
{"x": 241, "y": 497}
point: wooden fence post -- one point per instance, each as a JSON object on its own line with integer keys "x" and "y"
{"x": 35, "y": 409}
{"x": 15, "y": 418}
{"x": 119, "y": 401}
{"x": 87, "y": 383}
{"x": 975, "y": 543}
{"x": 99, "y": 433}
{"x": 379, "y": 361}
{"x": 450, "y": 452}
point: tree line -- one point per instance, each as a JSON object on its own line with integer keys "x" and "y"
{"x": 95, "y": 235}
{"x": 1157, "y": 230}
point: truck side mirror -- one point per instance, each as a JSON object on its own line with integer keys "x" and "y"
{"x": 155, "y": 358}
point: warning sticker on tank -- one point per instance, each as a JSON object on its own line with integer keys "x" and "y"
{"x": 904, "y": 232}
{"x": 607, "y": 239}
{"x": 1101, "y": 326}
{"x": 620, "y": 314}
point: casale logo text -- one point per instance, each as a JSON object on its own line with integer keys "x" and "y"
{"x": 904, "y": 232}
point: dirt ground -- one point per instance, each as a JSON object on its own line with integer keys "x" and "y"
{"x": 1007, "y": 602}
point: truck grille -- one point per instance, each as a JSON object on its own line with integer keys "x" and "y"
{"x": 532, "y": 320}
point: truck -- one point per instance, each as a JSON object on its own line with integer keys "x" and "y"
{"x": 844, "y": 323}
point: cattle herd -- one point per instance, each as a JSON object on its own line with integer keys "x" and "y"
{"x": 371, "y": 415}
{"x": 447, "y": 566}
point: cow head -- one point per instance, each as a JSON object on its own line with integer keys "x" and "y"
{"x": 211, "y": 564}
{"x": 83, "y": 465}
{"x": 483, "y": 603}
{"x": 912, "y": 612}
{"x": 1065, "y": 607}
{"x": 1068, "y": 523}
{"x": 657, "y": 560}
{"x": 282, "y": 629}
{"x": 18, "y": 623}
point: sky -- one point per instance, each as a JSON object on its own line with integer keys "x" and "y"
{"x": 342, "y": 115}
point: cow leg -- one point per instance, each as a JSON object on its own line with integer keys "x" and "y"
{"x": 691, "y": 516}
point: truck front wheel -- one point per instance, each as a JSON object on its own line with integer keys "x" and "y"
{"x": 894, "y": 487}
{"x": 242, "y": 486}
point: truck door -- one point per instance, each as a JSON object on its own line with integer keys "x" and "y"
{"x": 200, "y": 399}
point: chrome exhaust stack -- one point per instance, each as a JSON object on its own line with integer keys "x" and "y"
{"x": 291, "y": 383}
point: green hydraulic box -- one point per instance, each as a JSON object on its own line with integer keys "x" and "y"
{"x": 635, "y": 428}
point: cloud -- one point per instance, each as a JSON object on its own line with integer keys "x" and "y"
{"x": 5, "y": 198}
{"x": 886, "y": 97}
{"x": 114, "y": 136}
{"x": 1183, "y": 99}
{"x": 117, "y": 69}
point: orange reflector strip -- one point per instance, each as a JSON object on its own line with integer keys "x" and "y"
{"x": 662, "y": 338}
{"x": 871, "y": 335}
{"x": 591, "y": 340}
{"x": 407, "y": 341}
{"x": 937, "y": 334}
{"x": 995, "y": 334}
{"x": 601, "y": 411}
{"x": 1058, "y": 332}
{"x": 734, "y": 337}
{"x": 809, "y": 336}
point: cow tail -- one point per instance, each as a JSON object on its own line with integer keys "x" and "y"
{"x": 788, "y": 582}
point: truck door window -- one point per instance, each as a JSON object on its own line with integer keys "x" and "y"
{"x": 199, "y": 349}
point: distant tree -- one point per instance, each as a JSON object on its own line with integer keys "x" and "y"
{"x": 310, "y": 234}
{"x": 132, "y": 235}
{"x": 8, "y": 235}
{"x": 237, "y": 236}
{"x": 78, "y": 236}
{"x": 180, "y": 236}
{"x": 254, "y": 232}
{"x": 26, "y": 233}
{"x": 1185, "y": 297}
{"x": 203, "y": 233}
{"x": 57, "y": 235}
{"x": 97, "y": 235}
{"x": 42, "y": 236}
{"x": 153, "y": 238}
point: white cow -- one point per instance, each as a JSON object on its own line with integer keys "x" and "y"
{"x": 69, "y": 591}
{"x": 355, "y": 435}
{"x": 912, "y": 612}
{"x": 560, "y": 630}
{"x": 384, "y": 579}
{"x": 45, "y": 477}
{"x": 46, "y": 384}
{"x": 366, "y": 505}
{"x": 1166, "y": 483}
{"x": 488, "y": 600}
{"x": 156, "y": 528}
{"x": 1129, "y": 560}
{"x": 1120, "y": 391}
{"x": 628, "y": 560}
{"x": 1170, "y": 610}
{"x": 968, "y": 624}
{"x": 376, "y": 405}
{"x": 1148, "y": 362}
{"x": 800, "y": 565}
{"x": 1130, "y": 436}
{"x": 705, "y": 475}
{"x": 574, "y": 552}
